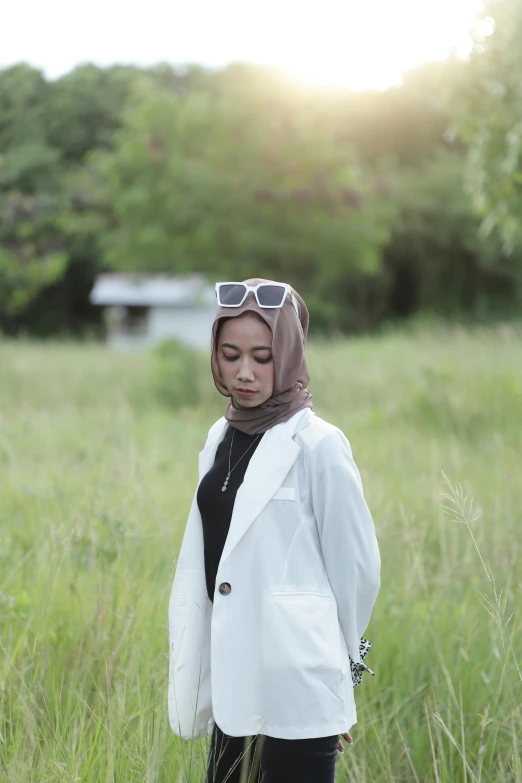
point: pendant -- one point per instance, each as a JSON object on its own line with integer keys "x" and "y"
{"x": 223, "y": 488}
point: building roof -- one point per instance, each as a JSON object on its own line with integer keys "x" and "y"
{"x": 149, "y": 290}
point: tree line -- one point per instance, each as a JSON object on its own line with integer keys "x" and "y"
{"x": 375, "y": 205}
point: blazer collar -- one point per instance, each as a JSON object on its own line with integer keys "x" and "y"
{"x": 268, "y": 466}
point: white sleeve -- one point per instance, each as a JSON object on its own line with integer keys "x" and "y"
{"x": 347, "y": 535}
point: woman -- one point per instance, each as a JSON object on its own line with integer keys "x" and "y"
{"x": 279, "y": 566}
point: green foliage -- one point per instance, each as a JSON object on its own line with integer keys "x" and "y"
{"x": 23, "y": 94}
{"x": 490, "y": 119}
{"x": 446, "y": 399}
{"x": 43, "y": 236}
{"x": 51, "y": 208}
{"x": 437, "y": 260}
{"x": 353, "y": 198}
{"x": 31, "y": 254}
{"x": 179, "y": 374}
{"x": 29, "y": 167}
{"x": 83, "y": 108}
{"x": 274, "y": 187}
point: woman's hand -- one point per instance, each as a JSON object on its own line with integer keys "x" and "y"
{"x": 348, "y": 738}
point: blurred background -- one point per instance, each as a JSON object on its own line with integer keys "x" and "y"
{"x": 368, "y": 154}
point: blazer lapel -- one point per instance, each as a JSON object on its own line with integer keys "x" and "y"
{"x": 268, "y": 466}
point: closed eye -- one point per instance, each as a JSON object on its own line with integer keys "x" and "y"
{"x": 259, "y": 361}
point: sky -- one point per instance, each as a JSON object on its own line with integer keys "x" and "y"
{"x": 359, "y": 45}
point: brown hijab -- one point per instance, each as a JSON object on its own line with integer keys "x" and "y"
{"x": 291, "y": 376}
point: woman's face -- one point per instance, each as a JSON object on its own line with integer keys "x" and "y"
{"x": 245, "y": 359}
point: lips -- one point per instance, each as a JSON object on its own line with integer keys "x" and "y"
{"x": 245, "y": 391}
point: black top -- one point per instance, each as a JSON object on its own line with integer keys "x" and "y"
{"x": 216, "y": 506}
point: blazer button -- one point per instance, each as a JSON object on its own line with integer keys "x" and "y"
{"x": 225, "y": 588}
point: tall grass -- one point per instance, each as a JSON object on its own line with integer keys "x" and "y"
{"x": 96, "y": 479}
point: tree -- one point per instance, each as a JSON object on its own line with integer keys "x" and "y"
{"x": 491, "y": 119}
{"x": 436, "y": 260}
{"x": 247, "y": 179}
{"x": 23, "y": 92}
{"x": 44, "y": 202}
{"x": 84, "y": 106}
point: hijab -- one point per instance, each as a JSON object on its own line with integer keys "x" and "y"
{"x": 291, "y": 377}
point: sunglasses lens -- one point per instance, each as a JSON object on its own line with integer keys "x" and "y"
{"x": 231, "y": 294}
{"x": 271, "y": 295}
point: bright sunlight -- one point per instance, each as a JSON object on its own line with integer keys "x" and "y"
{"x": 360, "y": 45}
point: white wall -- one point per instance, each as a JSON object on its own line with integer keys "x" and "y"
{"x": 191, "y": 325}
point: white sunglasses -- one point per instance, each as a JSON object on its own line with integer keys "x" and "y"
{"x": 267, "y": 295}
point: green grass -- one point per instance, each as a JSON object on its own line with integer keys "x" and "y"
{"x": 96, "y": 479}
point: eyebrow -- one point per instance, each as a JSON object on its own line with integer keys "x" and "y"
{"x": 255, "y": 348}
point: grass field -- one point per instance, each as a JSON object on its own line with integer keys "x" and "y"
{"x": 96, "y": 478}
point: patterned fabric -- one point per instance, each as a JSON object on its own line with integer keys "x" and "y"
{"x": 358, "y": 668}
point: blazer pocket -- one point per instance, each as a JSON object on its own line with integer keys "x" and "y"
{"x": 302, "y": 673}
{"x": 284, "y": 493}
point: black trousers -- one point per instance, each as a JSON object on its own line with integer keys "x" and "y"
{"x": 262, "y": 759}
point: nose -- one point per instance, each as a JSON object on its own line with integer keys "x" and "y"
{"x": 245, "y": 370}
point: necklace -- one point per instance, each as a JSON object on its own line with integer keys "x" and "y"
{"x": 224, "y": 487}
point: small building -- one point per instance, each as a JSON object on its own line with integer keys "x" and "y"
{"x": 140, "y": 310}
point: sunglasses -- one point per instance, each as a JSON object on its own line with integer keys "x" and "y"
{"x": 267, "y": 294}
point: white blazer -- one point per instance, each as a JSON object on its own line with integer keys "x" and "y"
{"x": 271, "y": 655}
